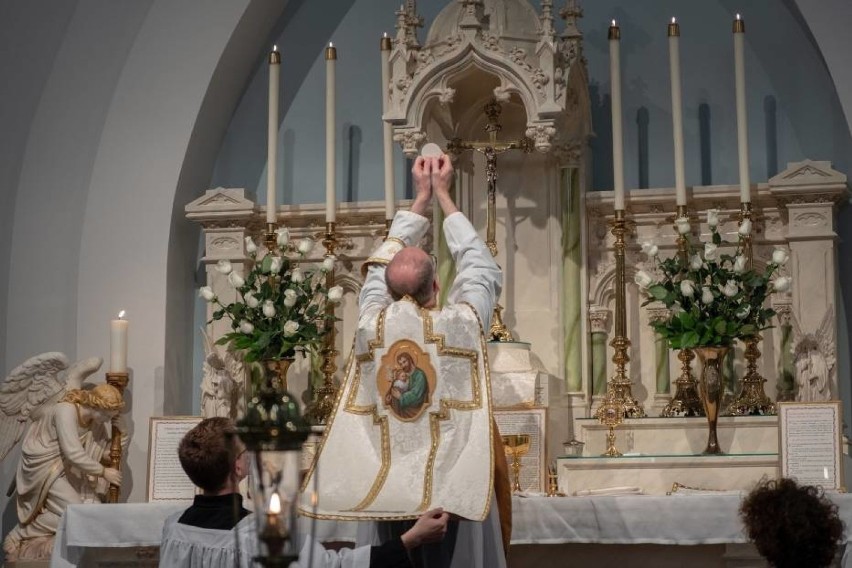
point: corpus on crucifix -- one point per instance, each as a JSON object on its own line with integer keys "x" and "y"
{"x": 491, "y": 149}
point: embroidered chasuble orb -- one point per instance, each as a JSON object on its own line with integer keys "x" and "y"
{"x": 407, "y": 378}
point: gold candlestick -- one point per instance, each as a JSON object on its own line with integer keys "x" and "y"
{"x": 685, "y": 401}
{"x": 620, "y": 383}
{"x": 319, "y": 411}
{"x": 752, "y": 399}
{"x": 119, "y": 381}
{"x": 553, "y": 482}
{"x": 270, "y": 237}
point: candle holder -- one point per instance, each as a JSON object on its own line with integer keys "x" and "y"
{"x": 119, "y": 381}
{"x": 553, "y": 482}
{"x": 620, "y": 383}
{"x": 685, "y": 401}
{"x": 320, "y": 409}
{"x": 752, "y": 399}
{"x": 270, "y": 238}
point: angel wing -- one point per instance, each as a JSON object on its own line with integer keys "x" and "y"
{"x": 826, "y": 337}
{"x": 24, "y": 391}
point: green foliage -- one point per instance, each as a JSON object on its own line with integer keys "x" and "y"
{"x": 297, "y": 306}
{"x": 713, "y": 298}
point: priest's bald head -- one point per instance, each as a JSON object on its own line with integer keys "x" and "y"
{"x": 411, "y": 272}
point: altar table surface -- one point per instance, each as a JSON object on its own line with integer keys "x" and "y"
{"x": 633, "y": 519}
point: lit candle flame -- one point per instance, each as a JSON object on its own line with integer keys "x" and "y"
{"x": 330, "y": 44}
{"x": 674, "y": 20}
{"x": 738, "y": 16}
{"x": 275, "y": 47}
{"x": 275, "y": 504}
{"x": 121, "y": 314}
{"x": 384, "y": 34}
{"x": 613, "y": 23}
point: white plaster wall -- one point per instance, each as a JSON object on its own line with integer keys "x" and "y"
{"x": 128, "y": 127}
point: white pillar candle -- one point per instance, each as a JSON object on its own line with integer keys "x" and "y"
{"x": 742, "y": 118}
{"x": 677, "y": 111}
{"x": 617, "y": 141}
{"x": 330, "y": 182}
{"x": 387, "y": 130}
{"x": 118, "y": 344}
{"x": 272, "y": 135}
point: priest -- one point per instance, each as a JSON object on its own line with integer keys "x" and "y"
{"x": 412, "y": 428}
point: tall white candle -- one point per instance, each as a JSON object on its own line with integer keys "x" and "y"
{"x": 272, "y": 135}
{"x": 387, "y": 131}
{"x": 617, "y": 141}
{"x": 118, "y": 344}
{"x": 742, "y": 118}
{"x": 677, "y": 111}
{"x": 330, "y": 182}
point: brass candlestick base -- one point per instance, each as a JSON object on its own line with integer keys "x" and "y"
{"x": 686, "y": 401}
{"x": 611, "y": 414}
{"x": 319, "y": 411}
{"x": 498, "y": 330}
{"x": 620, "y": 384}
{"x": 119, "y": 381}
{"x": 517, "y": 446}
{"x": 752, "y": 399}
{"x": 553, "y": 482}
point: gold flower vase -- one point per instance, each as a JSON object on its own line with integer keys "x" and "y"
{"x": 275, "y": 373}
{"x": 711, "y": 387}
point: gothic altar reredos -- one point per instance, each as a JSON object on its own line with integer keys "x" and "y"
{"x": 552, "y": 238}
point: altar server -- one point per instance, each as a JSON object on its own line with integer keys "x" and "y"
{"x": 210, "y": 535}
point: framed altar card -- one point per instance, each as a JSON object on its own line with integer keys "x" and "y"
{"x": 523, "y": 431}
{"x": 167, "y": 481}
{"x": 810, "y": 443}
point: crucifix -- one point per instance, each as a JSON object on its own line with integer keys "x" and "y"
{"x": 491, "y": 149}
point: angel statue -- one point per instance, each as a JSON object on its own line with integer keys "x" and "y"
{"x": 65, "y": 445}
{"x": 223, "y": 381}
{"x": 815, "y": 358}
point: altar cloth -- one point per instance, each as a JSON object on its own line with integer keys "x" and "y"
{"x": 627, "y": 519}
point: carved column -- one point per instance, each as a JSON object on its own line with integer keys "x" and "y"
{"x": 572, "y": 259}
{"x": 599, "y": 329}
{"x": 810, "y": 191}
{"x": 226, "y": 216}
{"x": 662, "y": 371}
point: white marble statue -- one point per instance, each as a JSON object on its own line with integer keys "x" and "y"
{"x": 815, "y": 358}
{"x": 222, "y": 382}
{"x": 65, "y": 448}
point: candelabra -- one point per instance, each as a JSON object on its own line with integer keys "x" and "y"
{"x": 752, "y": 398}
{"x": 119, "y": 381}
{"x": 321, "y": 407}
{"x": 685, "y": 401}
{"x": 620, "y": 383}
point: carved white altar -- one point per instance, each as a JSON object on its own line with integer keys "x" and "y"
{"x": 551, "y": 234}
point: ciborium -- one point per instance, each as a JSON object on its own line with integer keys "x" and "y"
{"x": 517, "y": 446}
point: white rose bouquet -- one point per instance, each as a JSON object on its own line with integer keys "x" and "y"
{"x": 280, "y": 306}
{"x": 713, "y": 298}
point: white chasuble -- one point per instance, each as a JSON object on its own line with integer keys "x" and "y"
{"x": 411, "y": 428}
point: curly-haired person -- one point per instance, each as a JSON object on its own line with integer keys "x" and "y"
{"x": 791, "y": 525}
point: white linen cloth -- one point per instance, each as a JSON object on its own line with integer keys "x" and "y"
{"x": 686, "y": 520}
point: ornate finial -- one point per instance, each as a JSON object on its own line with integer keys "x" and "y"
{"x": 472, "y": 14}
{"x": 571, "y": 13}
{"x": 407, "y": 22}
{"x": 546, "y": 18}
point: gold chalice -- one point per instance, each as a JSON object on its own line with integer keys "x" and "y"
{"x": 516, "y": 445}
